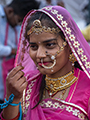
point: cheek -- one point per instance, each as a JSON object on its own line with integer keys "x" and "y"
{"x": 32, "y": 55}
{"x": 62, "y": 59}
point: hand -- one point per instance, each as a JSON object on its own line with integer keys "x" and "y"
{"x": 13, "y": 52}
{"x": 16, "y": 83}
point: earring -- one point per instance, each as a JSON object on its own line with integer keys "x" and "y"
{"x": 72, "y": 58}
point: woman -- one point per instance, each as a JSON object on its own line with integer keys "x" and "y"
{"x": 52, "y": 73}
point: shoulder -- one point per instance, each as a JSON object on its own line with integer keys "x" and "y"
{"x": 82, "y": 77}
{"x": 82, "y": 92}
{"x": 83, "y": 83}
{"x": 2, "y": 13}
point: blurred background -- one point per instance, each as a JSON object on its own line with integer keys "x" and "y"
{"x": 4, "y": 2}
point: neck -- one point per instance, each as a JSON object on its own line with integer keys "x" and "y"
{"x": 63, "y": 71}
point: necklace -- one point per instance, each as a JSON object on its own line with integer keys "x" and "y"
{"x": 54, "y": 85}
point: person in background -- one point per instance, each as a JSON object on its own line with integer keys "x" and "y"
{"x": 11, "y": 16}
{"x": 51, "y": 78}
{"x": 45, "y": 3}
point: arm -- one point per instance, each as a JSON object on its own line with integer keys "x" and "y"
{"x": 15, "y": 83}
{"x": 6, "y": 51}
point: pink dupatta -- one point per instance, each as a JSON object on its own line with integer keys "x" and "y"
{"x": 79, "y": 47}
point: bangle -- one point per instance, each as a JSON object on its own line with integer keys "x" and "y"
{"x": 9, "y": 102}
{"x": 9, "y": 119}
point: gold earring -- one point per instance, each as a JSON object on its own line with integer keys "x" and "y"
{"x": 72, "y": 58}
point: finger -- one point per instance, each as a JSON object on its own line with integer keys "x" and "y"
{"x": 14, "y": 71}
{"x": 24, "y": 85}
{"x": 21, "y": 81}
{"x": 18, "y": 75}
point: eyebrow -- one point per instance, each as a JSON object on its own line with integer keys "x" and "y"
{"x": 49, "y": 40}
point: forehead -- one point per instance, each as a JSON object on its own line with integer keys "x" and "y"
{"x": 41, "y": 37}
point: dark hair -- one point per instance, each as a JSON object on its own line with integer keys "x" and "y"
{"x": 22, "y": 7}
{"x": 45, "y": 21}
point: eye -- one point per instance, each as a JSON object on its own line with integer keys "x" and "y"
{"x": 51, "y": 45}
{"x": 33, "y": 46}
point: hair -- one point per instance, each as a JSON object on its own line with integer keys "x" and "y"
{"x": 22, "y": 7}
{"x": 45, "y": 21}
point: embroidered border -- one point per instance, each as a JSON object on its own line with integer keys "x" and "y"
{"x": 26, "y": 102}
{"x": 75, "y": 112}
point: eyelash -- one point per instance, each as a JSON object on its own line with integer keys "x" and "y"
{"x": 48, "y": 45}
{"x": 33, "y": 46}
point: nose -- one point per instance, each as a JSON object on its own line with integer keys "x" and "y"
{"x": 40, "y": 53}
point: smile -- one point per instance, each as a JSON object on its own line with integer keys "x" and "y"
{"x": 44, "y": 63}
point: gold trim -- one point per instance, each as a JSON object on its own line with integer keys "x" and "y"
{"x": 74, "y": 87}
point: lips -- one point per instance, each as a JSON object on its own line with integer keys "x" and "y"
{"x": 44, "y": 63}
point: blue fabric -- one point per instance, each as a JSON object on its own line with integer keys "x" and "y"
{"x": 9, "y": 102}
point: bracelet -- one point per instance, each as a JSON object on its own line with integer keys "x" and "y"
{"x": 9, "y": 102}
{"x": 9, "y": 119}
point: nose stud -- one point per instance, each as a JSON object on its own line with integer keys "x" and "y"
{"x": 52, "y": 56}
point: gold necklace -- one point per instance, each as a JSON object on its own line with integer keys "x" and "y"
{"x": 54, "y": 85}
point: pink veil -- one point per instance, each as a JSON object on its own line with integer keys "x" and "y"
{"x": 76, "y": 41}
{"x": 64, "y": 21}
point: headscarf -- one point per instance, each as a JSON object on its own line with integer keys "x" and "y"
{"x": 76, "y": 41}
{"x": 73, "y": 35}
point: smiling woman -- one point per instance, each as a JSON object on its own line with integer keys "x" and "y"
{"x": 54, "y": 82}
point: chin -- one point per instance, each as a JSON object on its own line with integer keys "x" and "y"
{"x": 45, "y": 71}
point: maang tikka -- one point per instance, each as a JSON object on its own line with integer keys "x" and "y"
{"x": 37, "y": 28}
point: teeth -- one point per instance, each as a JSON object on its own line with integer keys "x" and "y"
{"x": 52, "y": 57}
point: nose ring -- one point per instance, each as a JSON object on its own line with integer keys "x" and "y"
{"x": 49, "y": 66}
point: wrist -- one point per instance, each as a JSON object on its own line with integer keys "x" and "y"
{"x": 15, "y": 100}
{"x": 15, "y": 118}
{"x": 7, "y": 106}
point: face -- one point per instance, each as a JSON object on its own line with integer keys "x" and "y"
{"x": 49, "y": 43}
{"x": 14, "y": 19}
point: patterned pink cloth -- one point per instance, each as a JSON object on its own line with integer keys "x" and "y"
{"x": 75, "y": 106}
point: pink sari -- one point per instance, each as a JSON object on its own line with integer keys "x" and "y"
{"x": 77, "y": 105}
